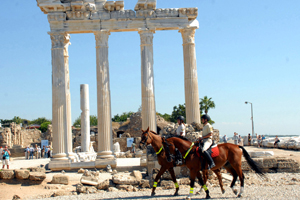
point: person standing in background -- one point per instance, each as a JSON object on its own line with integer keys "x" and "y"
{"x": 35, "y": 152}
{"x": 31, "y": 150}
{"x": 46, "y": 152}
{"x": 39, "y": 152}
{"x": 43, "y": 152}
{"x": 5, "y": 155}
{"x": 225, "y": 139}
{"x": 49, "y": 149}
{"x": 249, "y": 139}
{"x": 240, "y": 140}
{"x": 235, "y": 138}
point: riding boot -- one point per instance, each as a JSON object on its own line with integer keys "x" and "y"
{"x": 211, "y": 163}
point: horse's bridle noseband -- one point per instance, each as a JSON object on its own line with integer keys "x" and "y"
{"x": 145, "y": 142}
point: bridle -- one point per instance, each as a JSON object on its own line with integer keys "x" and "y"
{"x": 144, "y": 143}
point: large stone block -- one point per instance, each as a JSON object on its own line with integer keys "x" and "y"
{"x": 137, "y": 174}
{"x": 103, "y": 185}
{"x": 22, "y": 174}
{"x": 89, "y": 180}
{"x": 37, "y": 176}
{"x": 60, "y": 179}
{"x": 123, "y": 179}
{"x": 7, "y": 174}
{"x": 269, "y": 162}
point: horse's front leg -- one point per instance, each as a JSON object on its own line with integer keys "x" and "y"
{"x": 218, "y": 173}
{"x": 161, "y": 171}
{"x": 171, "y": 170}
{"x": 203, "y": 185}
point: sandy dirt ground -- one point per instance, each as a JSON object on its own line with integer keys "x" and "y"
{"x": 27, "y": 190}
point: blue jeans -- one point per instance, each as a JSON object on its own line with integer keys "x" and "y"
{"x": 31, "y": 155}
{"x": 46, "y": 155}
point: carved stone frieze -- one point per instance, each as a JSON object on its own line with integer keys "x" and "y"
{"x": 114, "y": 5}
{"x": 145, "y": 5}
{"x": 48, "y": 6}
{"x": 129, "y": 14}
{"x": 102, "y": 38}
{"x": 145, "y": 14}
{"x": 146, "y": 36}
{"x": 169, "y": 12}
{"x": 188, "y": 35}
{"x": 191, "y": 13}
{"x": 57, "y": 17}
{"x": 78, "y": 15}
{"x": 60, "y": 40}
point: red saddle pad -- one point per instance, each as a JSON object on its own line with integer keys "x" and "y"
{"x": 215, "y": 152}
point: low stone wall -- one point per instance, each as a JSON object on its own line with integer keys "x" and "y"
{"x": 273, "y": 165}
{"x": 32, "y": 174}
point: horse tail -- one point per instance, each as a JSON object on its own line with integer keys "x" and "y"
{"x": 251, "y": 162}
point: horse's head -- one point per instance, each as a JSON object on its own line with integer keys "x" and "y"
{"x": 146, "y": 139}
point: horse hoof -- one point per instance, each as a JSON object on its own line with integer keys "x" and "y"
{"x": 239, "y": 196}
{"x": 176, "y": 194}
{"x": 207, "y": 197}
{"x": 152, "y": 194}
{"x": 223, "y": 191}
{"x": 235, "y": 192}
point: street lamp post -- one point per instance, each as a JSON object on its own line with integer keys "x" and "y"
{"x": 246, "y": 102}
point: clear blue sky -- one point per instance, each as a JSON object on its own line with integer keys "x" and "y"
{"x": 246, "y": 51}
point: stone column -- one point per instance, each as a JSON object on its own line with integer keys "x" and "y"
{"x": 60, "y": 95}
{"x": 68, "y": 133}
{"x": 85, "y": 117}
{"x": 148, "y": 98}
{"x": 103, "y": 96}
{"x": 190, "y": 76}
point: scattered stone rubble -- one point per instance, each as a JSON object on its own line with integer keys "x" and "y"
{"x": 33, "y": 174}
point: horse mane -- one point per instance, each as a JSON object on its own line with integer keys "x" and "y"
{"x": 178, "y": 136}
{"x": 153, "y": 132}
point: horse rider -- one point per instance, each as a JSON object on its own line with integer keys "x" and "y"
{"x": 181, "y": 128}
{"x": 207, "y": 139}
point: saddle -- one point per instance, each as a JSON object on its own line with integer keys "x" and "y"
{"x": 213, "y": 150}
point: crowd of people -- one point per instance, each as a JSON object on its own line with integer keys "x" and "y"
{"x": 37, "y": 152}
{"x": 260, "y": 138}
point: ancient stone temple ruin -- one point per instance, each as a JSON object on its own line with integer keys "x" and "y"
{"x": 102, "y": 17}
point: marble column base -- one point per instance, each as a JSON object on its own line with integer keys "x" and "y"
{"x": 57, "y": 165}
{"x": 102, "y": 163}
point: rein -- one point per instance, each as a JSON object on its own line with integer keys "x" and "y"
{"x": 144, "y": 143}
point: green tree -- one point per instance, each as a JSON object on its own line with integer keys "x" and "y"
{"x": 39, "y": 121}
{"x": 121, "y": 118}
{"x": 93, "y": 121}
{"x": 44, "y": 126}
{"x": 206, "y": 104}
{"x": 177, "y": 111}
{"x": 17, "y": 120}
{"x": 166, "y": 116}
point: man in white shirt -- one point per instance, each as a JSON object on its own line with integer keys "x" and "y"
{"x": 181, "y": 128}
{"x": 207, "y": 139}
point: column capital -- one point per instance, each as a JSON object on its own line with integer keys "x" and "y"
{"x": 102, "y": 38}
{"x": 146, "y": 36}
{"x": 188, "y": 35}
{"x": 60, "y": 40}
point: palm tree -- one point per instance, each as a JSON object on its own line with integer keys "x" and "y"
{"x": 206, "y": 104}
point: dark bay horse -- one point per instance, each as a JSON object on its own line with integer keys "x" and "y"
{"x": 150, "y": 137}
{"x": 230, "y": 158}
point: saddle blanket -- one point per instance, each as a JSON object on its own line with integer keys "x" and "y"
{"x": 214, "y": 151}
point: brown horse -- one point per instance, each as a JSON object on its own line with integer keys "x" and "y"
{"x": 150, "y": 137}
{"x": 230, "y": 158}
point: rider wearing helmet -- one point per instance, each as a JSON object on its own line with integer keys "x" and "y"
{"x": 207, "y": 139}
{"x": 181, "y": 128}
